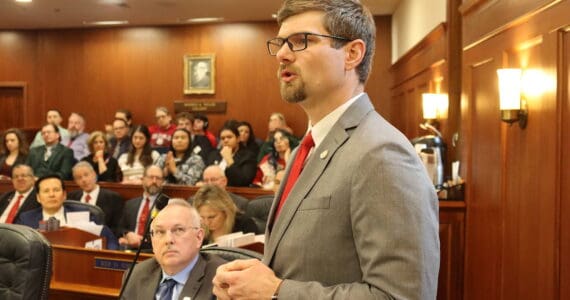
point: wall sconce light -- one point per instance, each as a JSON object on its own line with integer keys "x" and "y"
{"x": 435, "y": 106}
{"x": 513, "y": 107}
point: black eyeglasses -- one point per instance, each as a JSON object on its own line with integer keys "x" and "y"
{"x": 296, "y": 41}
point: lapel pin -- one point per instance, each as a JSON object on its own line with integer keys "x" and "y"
{"x": 324, "y": 154}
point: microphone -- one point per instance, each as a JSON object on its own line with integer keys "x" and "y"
{"x": 159, "y": 203}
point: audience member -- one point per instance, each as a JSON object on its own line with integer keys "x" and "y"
{"x": 199, "y": 143}
{"x": 77, "y": 139}
{"x": 180, "y": 164}
{"x": 247, "y": 137}
{"x": 90, "y": 192}
{"x": 53, "y": 116}
{"x": 178, "y": 270}
{"x": 219, "y": 214}
{"x": 214, "y": 175}
{"x": 51, "y": 195}
{"x": 357, "y": 216}
{"x": 139, "y": 157}
{"x": 200, "y": 127}
{"x": 275, "y": 160}
{"x": 121, "y": 140}
{"x": 53, "y": 157}
{"x": 125, "y": 114}
{"x": 137, "y": 211}
{"x": 161, "y": 132}
{"x": 106, "y": 166}
{"x": 237, "y": 162}
{"x": 276, "y": 121}
{"x": 13, "y": 150}
{"x": 22, "y": 198}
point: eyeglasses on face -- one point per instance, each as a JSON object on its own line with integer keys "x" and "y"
{"x": 297, "y": 41}
{"x": 177, "y": 231}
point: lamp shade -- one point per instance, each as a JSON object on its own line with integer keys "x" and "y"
{"x": 509, "y": 88}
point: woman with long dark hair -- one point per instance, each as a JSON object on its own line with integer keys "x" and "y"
{"x": 139, "y": 157}
{"x": 13, "y": 151}
{"x": 275, "y": 160}
{"x": 180, "y": 164}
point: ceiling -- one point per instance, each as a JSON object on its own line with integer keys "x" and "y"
{"x": 73, "y": 13}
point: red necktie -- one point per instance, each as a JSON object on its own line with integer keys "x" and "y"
{"x": 296, "y": 169}
{"x": 87, "y": 199}
{"x": 14, "y": 210}
{"x": 143, "y": 217}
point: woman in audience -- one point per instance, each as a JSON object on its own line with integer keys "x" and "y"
{"x": 234, "y": 159}
{"x": 106, "y": 167}
{"x": 275, "y": 160}
{"x": 219, "y": 213}
{"x": 247, "y": 137}
{"x": 13, "y": 151}
{"x": 181, "y": 165}
{"x": 139, "y": 157}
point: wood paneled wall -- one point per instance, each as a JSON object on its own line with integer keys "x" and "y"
{"x": 513, "y": 232}
{"x": 97, "y": 71}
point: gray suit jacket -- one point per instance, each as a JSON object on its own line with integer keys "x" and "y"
{"x": 362, "y": 220}
{"x": 146, "y": 276}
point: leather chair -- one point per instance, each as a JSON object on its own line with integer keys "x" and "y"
{"x": 96, "y": 212}
{"x": 258, "y": 210}
{"x": 230, "y": 254}
{"x": 25, "y": 263}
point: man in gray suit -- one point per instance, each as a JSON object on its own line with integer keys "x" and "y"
{"x": 361, "y": 220}
{"x": 177, "y": 269}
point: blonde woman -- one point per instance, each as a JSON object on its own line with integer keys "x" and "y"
{"x": 219, "y": 213}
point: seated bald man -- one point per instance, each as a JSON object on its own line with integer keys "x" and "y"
{"x": 178, "y": 269}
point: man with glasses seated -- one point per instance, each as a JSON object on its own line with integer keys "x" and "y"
{"x": 22, "y": 198}
{"x": 137, "y": 211}
{"x": 161, "y": 132}
{"x": 177, "y": 270}
{"x": 121, "y": 140}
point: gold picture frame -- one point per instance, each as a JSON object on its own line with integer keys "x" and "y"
{"x": 199, "y": 74}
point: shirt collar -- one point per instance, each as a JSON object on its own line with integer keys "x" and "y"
{"x": 182, "y": 276}
{"x": 320, "y": 130}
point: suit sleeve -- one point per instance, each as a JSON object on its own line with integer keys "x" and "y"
{"x": 67, "y": 162}
{"x": 242, "y": 172}
{"x": 394, "y": 222}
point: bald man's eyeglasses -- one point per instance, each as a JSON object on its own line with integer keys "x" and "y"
{"x": 297, "y": 41}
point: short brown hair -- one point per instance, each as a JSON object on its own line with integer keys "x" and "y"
{"x": 345, "y": 18}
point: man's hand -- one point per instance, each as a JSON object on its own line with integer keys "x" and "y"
{"x": 245, "y": 279}
{"x": 131, "y": 239}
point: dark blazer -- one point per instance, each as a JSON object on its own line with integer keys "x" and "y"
{"x": 60, "y": 162}
{"x": 123, "y": 145}
{"x": 113, "y": 173}
{"x": 128, "y": 221}
{"x": 146, "y": 277}
{"x": 201, "y": 146}
{"x": 242, "y": 172}
{"x": 31, "y": 202}
{"x": 32, "y": 219}
{"x": 110, "y": 202}
{"x": 20, "y": 159}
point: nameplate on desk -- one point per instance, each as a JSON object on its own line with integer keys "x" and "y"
{"x": 200, "y": 106}
{"x": 112, "y": 264}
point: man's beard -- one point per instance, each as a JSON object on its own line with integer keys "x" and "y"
{"x": 153, "y": 189}
{"x": 73, "y": 133}
{"x": 293, "y": 93}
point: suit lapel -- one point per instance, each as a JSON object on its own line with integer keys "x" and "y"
{"x": 314, "y": 168}
{"x": 194, "y": 281}
{"x": 151, "y": 281}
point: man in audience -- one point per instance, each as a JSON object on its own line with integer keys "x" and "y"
{"x": 53, "y": 157}
{"x": 161, "y": 132}
{"x": 214, "y": 175}
{"x": 178, "y": 269}
{"x": 200, "y": 127}
{"x": 77, "y": 139}
{"x": 90, "y": 192}
{"x": 199, "y": 144}
{"x": 51, "y": 195}
{"x": 22, "y": 198}
{"x": 357, "y": 217}
{"x": 53, "y": 116}
{"x": 137, "y": 211}
{"x": 126, "y": 115}
{"x": 121, "y": 141}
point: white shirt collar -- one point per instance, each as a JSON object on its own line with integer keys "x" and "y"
{"x": 60, "y": 215}
{"x": 320, "y": 130}
{"x": 94, "y": 194}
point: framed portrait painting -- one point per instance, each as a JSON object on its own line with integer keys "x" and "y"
{"x": 199, "y": 74}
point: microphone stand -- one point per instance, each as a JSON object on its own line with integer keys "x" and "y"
{"x": 159, "y": 198}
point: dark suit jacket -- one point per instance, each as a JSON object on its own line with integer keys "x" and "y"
{"x": 32, "y": 219}
{"x": 369, "y": 212}
{"x": 113, "y": 173}
{"x": 8, "y": 171}
{"x": 146, "y": 276}
{"x": 242, "y": 172}
{"x": 60, "y": 162}
{"x": 128, "y": 221}
{"x": 31, "y": 202}
{"x": 201, "y": 146}
{"x": 110, "y": 202}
